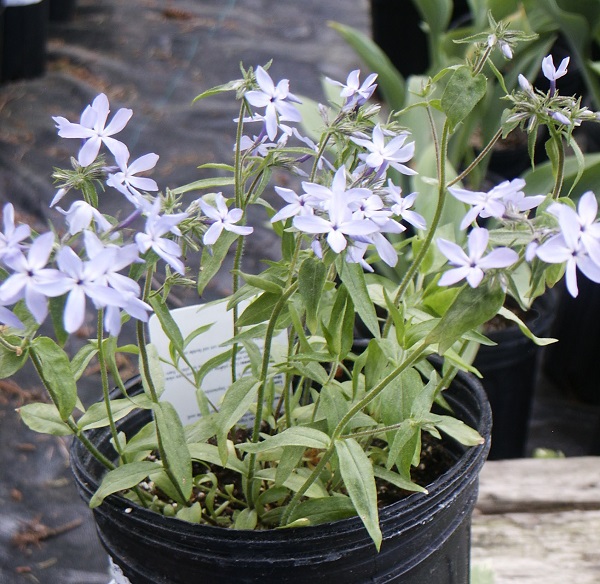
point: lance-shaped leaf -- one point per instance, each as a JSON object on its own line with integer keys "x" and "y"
{"x": 56, "y": 374}
{"x": 357, "y": 471}
{"x": 44, "y": 418}
{"x": 472, "y": 307}
{"x": 123, "y": 477}
{"x": 311, "y": 279}
{"x": 294, "y": 436}
{"x": 173, "y": 448}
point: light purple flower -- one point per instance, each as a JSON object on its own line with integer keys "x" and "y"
{"x": 11, "y": 237}
{"x": 320, "y": 196}
{"x": 580, "y": 225}
{"x": 93, "y": 129}
{"x": 551, "y": 73}
{"x": 276, "y": 99}
{"x": 296, "y": 204}
{"x": 382, "y": 155}
{"x": 472, "y": 267}
{"x": 401, "y": 206}
{"x": 223, "y": 218}
{"x": 80, "y": 216}
{"x": 338, "y": 224}
{"x": 85, "y": 279}
{"x": 354, "y": 93}
{"x": 156, "y": 226}
{"x": 490, "y": 204}
{"x": 130, "y": 185}
{"x": 31, "y": 279}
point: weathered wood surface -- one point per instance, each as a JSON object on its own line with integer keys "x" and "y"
{"x": 538, "y": 521}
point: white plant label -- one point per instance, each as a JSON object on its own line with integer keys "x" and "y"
{"x": 179, "y": 388}
{"x": 117, "y": 574}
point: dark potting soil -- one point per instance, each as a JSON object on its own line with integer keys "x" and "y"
{"x": 436, "y": 459}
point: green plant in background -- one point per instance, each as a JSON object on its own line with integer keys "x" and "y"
{"x": 307, "y": 423}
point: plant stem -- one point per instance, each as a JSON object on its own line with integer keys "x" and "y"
{"x": 105, "y": 389}
{"x": 414, "y": 267}
{"x": 478, "y": 159}
{"x": 560, "y": 170}
{"x": 260, "y": 398}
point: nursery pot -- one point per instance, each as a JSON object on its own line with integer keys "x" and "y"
{"x": 24, "y": 41}
{"x": 509, "y": 371}
{"x": 426, "y": 537}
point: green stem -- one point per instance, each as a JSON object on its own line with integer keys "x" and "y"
{"x": 478, "y": 159}
{"x": 560, "y": 170}
{"x": 416, "y": 264}
{"x": 260, "y": 398}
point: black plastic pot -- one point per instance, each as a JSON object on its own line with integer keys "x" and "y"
{"x": 509, "y": 372}
{"x": 571, "y": 363}
{"x": 24, "y": 43}
{"x": 426, "y": 538}
{"x": 62, "y": 10}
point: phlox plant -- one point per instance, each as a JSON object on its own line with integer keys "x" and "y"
{"x": 312, "y": 420}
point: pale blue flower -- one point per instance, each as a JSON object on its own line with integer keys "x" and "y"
{"x": 81, "y": 215}
{"x": 276, "y": 99}
{"x": 551, "y": 73}
{"x": 223, "y": 218}
{"x": 130, "y": 185}
{"x": 93, "y": 129}
{"x": 472, "y": 267}
{"x": 32, "y": 280}
{"x": 382, "y": 155}
{"x": 337, "y": 225}
{"x": 353, "y": 92}
{"x": 296, "y": 204}
{"x": 85, "y": 279}
{"x": 11, "y": 237}
{"x": 156, "y": 226}
{"x": 401, "y": 206}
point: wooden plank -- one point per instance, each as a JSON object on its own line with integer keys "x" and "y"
{"x": 538, "y": 521}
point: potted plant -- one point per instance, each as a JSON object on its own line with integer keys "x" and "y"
{"x": 286, "y": 454}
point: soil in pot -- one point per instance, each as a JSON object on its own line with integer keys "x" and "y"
{"x": 426, "y": 537}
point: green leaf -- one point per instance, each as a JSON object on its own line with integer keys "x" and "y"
{"x": 311, "y": 280}
{"x": 123, "y": 477}
{"x": 236, "y": 402}
{"x": 10, "y": 362}
{"x": 82, "y": 359}
{"x": 213, "y": 257}
{"x": 395, "y": 479}
{"x": 56, "y": 374}
{"x": 57, "y": 310}
{"x": 353, "y": 277}
{"x": 462, "y": 93}
{"x": 457, "y": 429}
{"x": 44, "y": 418}
{"x": 294, "y": 436}
{"x": 260, "y": 310}
{"x": 167, "y": 323}
{"x": 156, "y": 373}
{"x": 357, "y": 472}
{"x": 173, "y": 448}
{"x": 510, "y": 315}
{"x": 389, "y": 79}
{"x": 96, "y": 416}
{"x": 204, "y": 184}
{"x": 260, "y": 282}
{"x": 210, "y": 454}
{"x": 472, "y": 307}
{"x": 323, "y": 510}
{"x": 246, "y": 519}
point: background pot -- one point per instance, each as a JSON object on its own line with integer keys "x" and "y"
{"x": 24, "y": 40}
{"x": 426, "y": 538}
{"x": 510, "y": 370}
